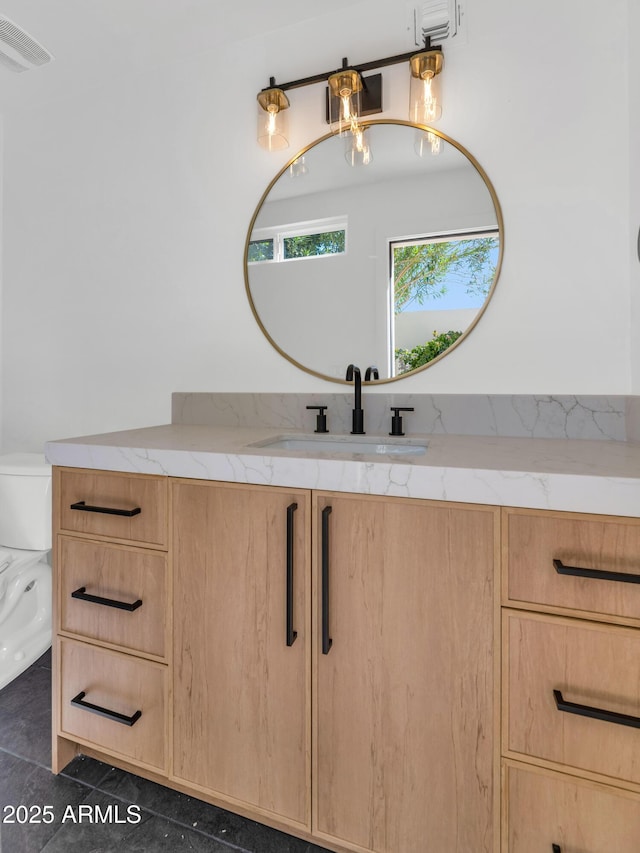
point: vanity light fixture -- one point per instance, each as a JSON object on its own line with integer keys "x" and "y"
{"x": 351, "y": 95}
{"x": 273, "y": 125}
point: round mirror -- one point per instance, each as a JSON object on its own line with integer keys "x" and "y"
{"x": 381, "y": 249}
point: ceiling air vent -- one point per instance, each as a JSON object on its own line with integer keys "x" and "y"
{"x": 439, "y": 20}
{"x": 18, "y": 50}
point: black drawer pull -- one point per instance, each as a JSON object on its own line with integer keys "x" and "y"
{"x": 555, "y": 848}
{"x": 81, "y": 505}
{"x": 595, "y": 713}
{"x": 327, "y": 642}
{"x": 594, "y": 574}
{"x": 78, "y": 702}
{"x": 290, "y": 633}
{"x": 83, "y": 595}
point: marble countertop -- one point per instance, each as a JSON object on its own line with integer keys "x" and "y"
{"x": 578, "y": 475}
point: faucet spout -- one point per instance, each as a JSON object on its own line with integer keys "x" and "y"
{"x": 354, "y": 375}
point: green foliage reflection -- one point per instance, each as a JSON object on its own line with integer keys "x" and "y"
{"x": 427, "y": 270}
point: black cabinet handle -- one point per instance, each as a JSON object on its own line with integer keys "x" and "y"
{"x": 555, "y": 848}
{"x": 291, "y": 634}
{"x": 327, "y": 642}
{"x": 81, "y": 505}
{"x": 595, "y": 713}
{"x": 595, "y": 574}
{"x": 83, "y": 595}
{"x": 78, "y": 702}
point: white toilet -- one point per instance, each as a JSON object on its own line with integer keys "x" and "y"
{"x": 25, "y": 571}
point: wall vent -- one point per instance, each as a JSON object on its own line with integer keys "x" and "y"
{"x": 440, "y": 20}
{"x": 18, "y": 50}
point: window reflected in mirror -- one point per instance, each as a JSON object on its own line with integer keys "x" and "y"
{"x": 439, "y": 284}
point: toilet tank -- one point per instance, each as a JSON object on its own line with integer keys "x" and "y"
{"x": 25, "y": 501}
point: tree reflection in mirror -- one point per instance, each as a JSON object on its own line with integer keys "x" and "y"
{"x": 439, "y": 284}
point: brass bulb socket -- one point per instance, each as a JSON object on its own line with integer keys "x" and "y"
{"x": 344, "y": 83}
{"x": 273, "y": 100}
{"x": 426, "y": 64}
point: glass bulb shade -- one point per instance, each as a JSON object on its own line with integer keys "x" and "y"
{"x": 424, "y": 100}
{"x": 428, "y": 144}
{"x": 424, "y": 95}
{"x": 298, "y": 168}
{"x": 357, "y": 151}
{"x": 273, "y": 120}
{"x": 344, "y": 100}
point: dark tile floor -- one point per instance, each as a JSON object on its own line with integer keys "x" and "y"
{"x": 166, "y": 820}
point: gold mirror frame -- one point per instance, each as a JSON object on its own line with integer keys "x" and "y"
{"x": 470, "y": 327}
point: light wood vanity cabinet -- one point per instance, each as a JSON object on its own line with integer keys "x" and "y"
{"x": 329, "y": 667}
{"x": 324, "y": 662}
{"x": 571, "y": 683}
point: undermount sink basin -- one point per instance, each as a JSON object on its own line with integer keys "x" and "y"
{"x": 346, "y": 444}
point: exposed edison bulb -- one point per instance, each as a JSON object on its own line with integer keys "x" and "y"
{"x": 271, "y": 121}
{"x": 425, "y": 108}
{"x": 345, "y": 100}
{"x": 430, "y": 105}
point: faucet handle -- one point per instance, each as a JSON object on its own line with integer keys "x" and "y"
{"x": 321, "y": 418}
{"x": 396, "y": 420}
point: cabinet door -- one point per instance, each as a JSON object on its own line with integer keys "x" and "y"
{"x": 111, "y": 505}
{"x": 574, "y": 562}
{"x": 113, "y": 594}
{"x": 114, "y": 702}
{"x": 572, "y": 694}
{"x": 548, "y": 812}
{"x": 242, "y": 683}
{"x": 404, "y": 690}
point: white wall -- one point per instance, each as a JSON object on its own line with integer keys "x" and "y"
{"x": 634, "y": 190}
{"x": 126, "y": 208}
{"x": 1, "y": 248}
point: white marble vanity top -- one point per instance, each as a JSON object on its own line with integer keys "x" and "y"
{"x": 580, "y": 475}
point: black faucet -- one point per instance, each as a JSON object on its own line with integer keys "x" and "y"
{"x": 371, "y": 373}
{"x": 353, "y": 375}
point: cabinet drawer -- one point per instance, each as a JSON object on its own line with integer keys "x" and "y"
{"x": 545, "y": 808}
{"x": 122, "y": 507}
{"x": 130, "y": 585}
{"x": 121, "y": 685}
{"x": 551, "y": 660}
{"x": 599, "y": 544}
